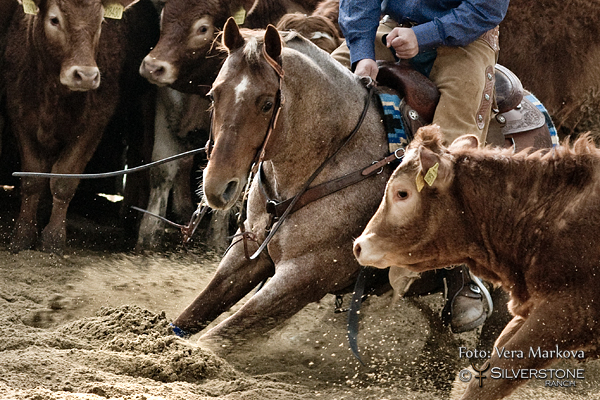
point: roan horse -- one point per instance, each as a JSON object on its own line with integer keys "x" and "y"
{"x": 311, "y": 254}
{"x": 296, "y": 109}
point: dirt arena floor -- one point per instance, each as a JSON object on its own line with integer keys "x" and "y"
{"x": 93, "y": 324}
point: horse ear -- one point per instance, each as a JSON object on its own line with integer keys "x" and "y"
{"x": 232, "y": 38}
{"x": 464, "y": 142}
{"x": 272, "y": 42}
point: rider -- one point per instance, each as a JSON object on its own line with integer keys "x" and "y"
{"x": 455, "y": 44}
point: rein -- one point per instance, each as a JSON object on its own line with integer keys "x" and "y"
{"x": 296, "y": 198}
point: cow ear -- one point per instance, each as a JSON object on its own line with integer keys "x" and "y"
{"x": 272, "y": 42}
{"x": 124, "y": 3}
{"x": 232, "y": 38}
{"x": 464, "y": 142}
{"x": 249, "y": 5}
{"x": 435, "y": 169}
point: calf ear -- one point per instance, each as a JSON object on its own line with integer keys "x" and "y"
{"x": 464, "y": 142}
{"x": 435, "y": 169}
{"x": 232, "y": 38}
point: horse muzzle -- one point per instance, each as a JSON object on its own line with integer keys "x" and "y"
{"x": 222, "y": 196}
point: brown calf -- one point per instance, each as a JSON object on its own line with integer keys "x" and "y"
{"x": 185, "y": 57}
{"x": 64, "y": 67}
{"x": 527, "y": 222}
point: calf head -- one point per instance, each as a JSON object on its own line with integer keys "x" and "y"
{"x": 66, "y": 36}
{"x": 419, "y": 216}
{"x": 185, "y": 56}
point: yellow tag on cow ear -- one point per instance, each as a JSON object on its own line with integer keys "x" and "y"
{"x": 420, "y": 182}
{"x": 240, "y": 16}
{"x": 29, "y": 7}
{"x": 431, "y": 174}
{"x": 113, "y": 11}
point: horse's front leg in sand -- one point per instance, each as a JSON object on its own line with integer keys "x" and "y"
{"x": 518, "y": 354}
{"x": 295, "y": 284}
{"x": 234, "y": 278}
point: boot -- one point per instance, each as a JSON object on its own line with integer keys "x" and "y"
{"x": 468, "y": 301}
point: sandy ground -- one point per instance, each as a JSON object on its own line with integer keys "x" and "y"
{"x": 93, "y": 324}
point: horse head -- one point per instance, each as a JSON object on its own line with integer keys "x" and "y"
{"x": 244, "y": 97}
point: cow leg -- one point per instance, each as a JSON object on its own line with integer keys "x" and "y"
{"x": 182, "y": 190}
{"x": 25, "y": 232}
{"x": 549, "y": 325}
{"x": 235, "y": 277}
{"x": 73, "y": 160}
{"x": 151, "y": 228}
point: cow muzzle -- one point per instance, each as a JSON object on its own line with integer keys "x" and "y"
{"x": 158, "y": 72}
{"x": 80, "y": 79}
{"x": 366, "y": 253}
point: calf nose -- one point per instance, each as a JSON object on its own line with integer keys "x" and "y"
{"x": 80, "y": 78}
{"x": 158, "y": 72}
{"x": 357, "y": 249}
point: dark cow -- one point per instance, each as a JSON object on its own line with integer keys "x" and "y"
{"x": 7, "y": 8}
{"x": 318, "y": 29}
{"x": 185, "y": 57}
{"x": 554, "y": 48}
{"x": 526, "y": 221}
{"x": 64, "y": 69}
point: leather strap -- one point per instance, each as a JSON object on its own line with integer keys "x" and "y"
{"x": 277, "y": 209}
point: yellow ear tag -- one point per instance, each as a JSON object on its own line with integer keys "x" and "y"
{"x": 431, "y": 174}
{"x": 420, "y": 182}
{"x": 113, "y": 11}
{"x": 29, "y": 7}
{"x": 240, "y": 16}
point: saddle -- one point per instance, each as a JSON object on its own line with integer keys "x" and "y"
{"x": 517, "y": 122}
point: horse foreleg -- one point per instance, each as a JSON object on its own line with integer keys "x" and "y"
{"x": 548, "y": 326}
{"x": 295, "y": 284}
{"x": 235, "y": 277}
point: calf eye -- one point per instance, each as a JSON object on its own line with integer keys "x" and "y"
{"x": 267, "y": 106}
{"x": 55, "y": 21}
{"x": 402, "y": 194}
{"x": 202, "y": 30}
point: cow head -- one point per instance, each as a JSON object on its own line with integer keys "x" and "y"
{"x": 418, "y": 212}
{"x": 185, "y": 56}
{"x": 67, "y": 33}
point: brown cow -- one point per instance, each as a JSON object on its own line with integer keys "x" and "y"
{"x": 185, "y": 57}
{"x": 526, "y": 221}
{"x": 554, "y": 48}
{"x": 63, "y": 68}
{"x": 316, "y": 28}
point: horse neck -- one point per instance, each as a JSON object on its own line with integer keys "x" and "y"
{"x": 323, "y": 103}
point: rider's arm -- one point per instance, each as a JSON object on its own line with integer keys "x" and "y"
{"x": 359, "y": 20}
{"x": 462, "y": 25}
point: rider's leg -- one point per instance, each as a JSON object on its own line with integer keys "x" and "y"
{"x": 465, "y": 78}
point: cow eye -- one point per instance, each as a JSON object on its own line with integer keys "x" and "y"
{"x": 402, "y": 194}
{"x": 267, "y": 106}
{"x": 54, "y": 21}
{"x": 202, "y": 30}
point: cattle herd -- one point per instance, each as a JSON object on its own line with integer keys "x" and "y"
{"x": 97, "y": 85}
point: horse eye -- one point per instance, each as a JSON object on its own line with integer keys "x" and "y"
{"x": 267, "y": 106}
{"x": 210, "y": 96}
{"x": 402, "y": 194}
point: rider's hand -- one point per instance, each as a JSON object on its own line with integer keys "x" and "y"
{"x": 367, "y": 67}
{"x": 404, "y": 41}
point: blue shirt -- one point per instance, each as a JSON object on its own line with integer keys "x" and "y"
{"x": 440, "y": 23}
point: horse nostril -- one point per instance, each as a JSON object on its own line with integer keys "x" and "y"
{"x": 357, "y": 250}
{"x": 230, "y": 190}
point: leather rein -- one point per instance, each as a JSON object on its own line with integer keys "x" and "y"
{"x": 280, "y": 210}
